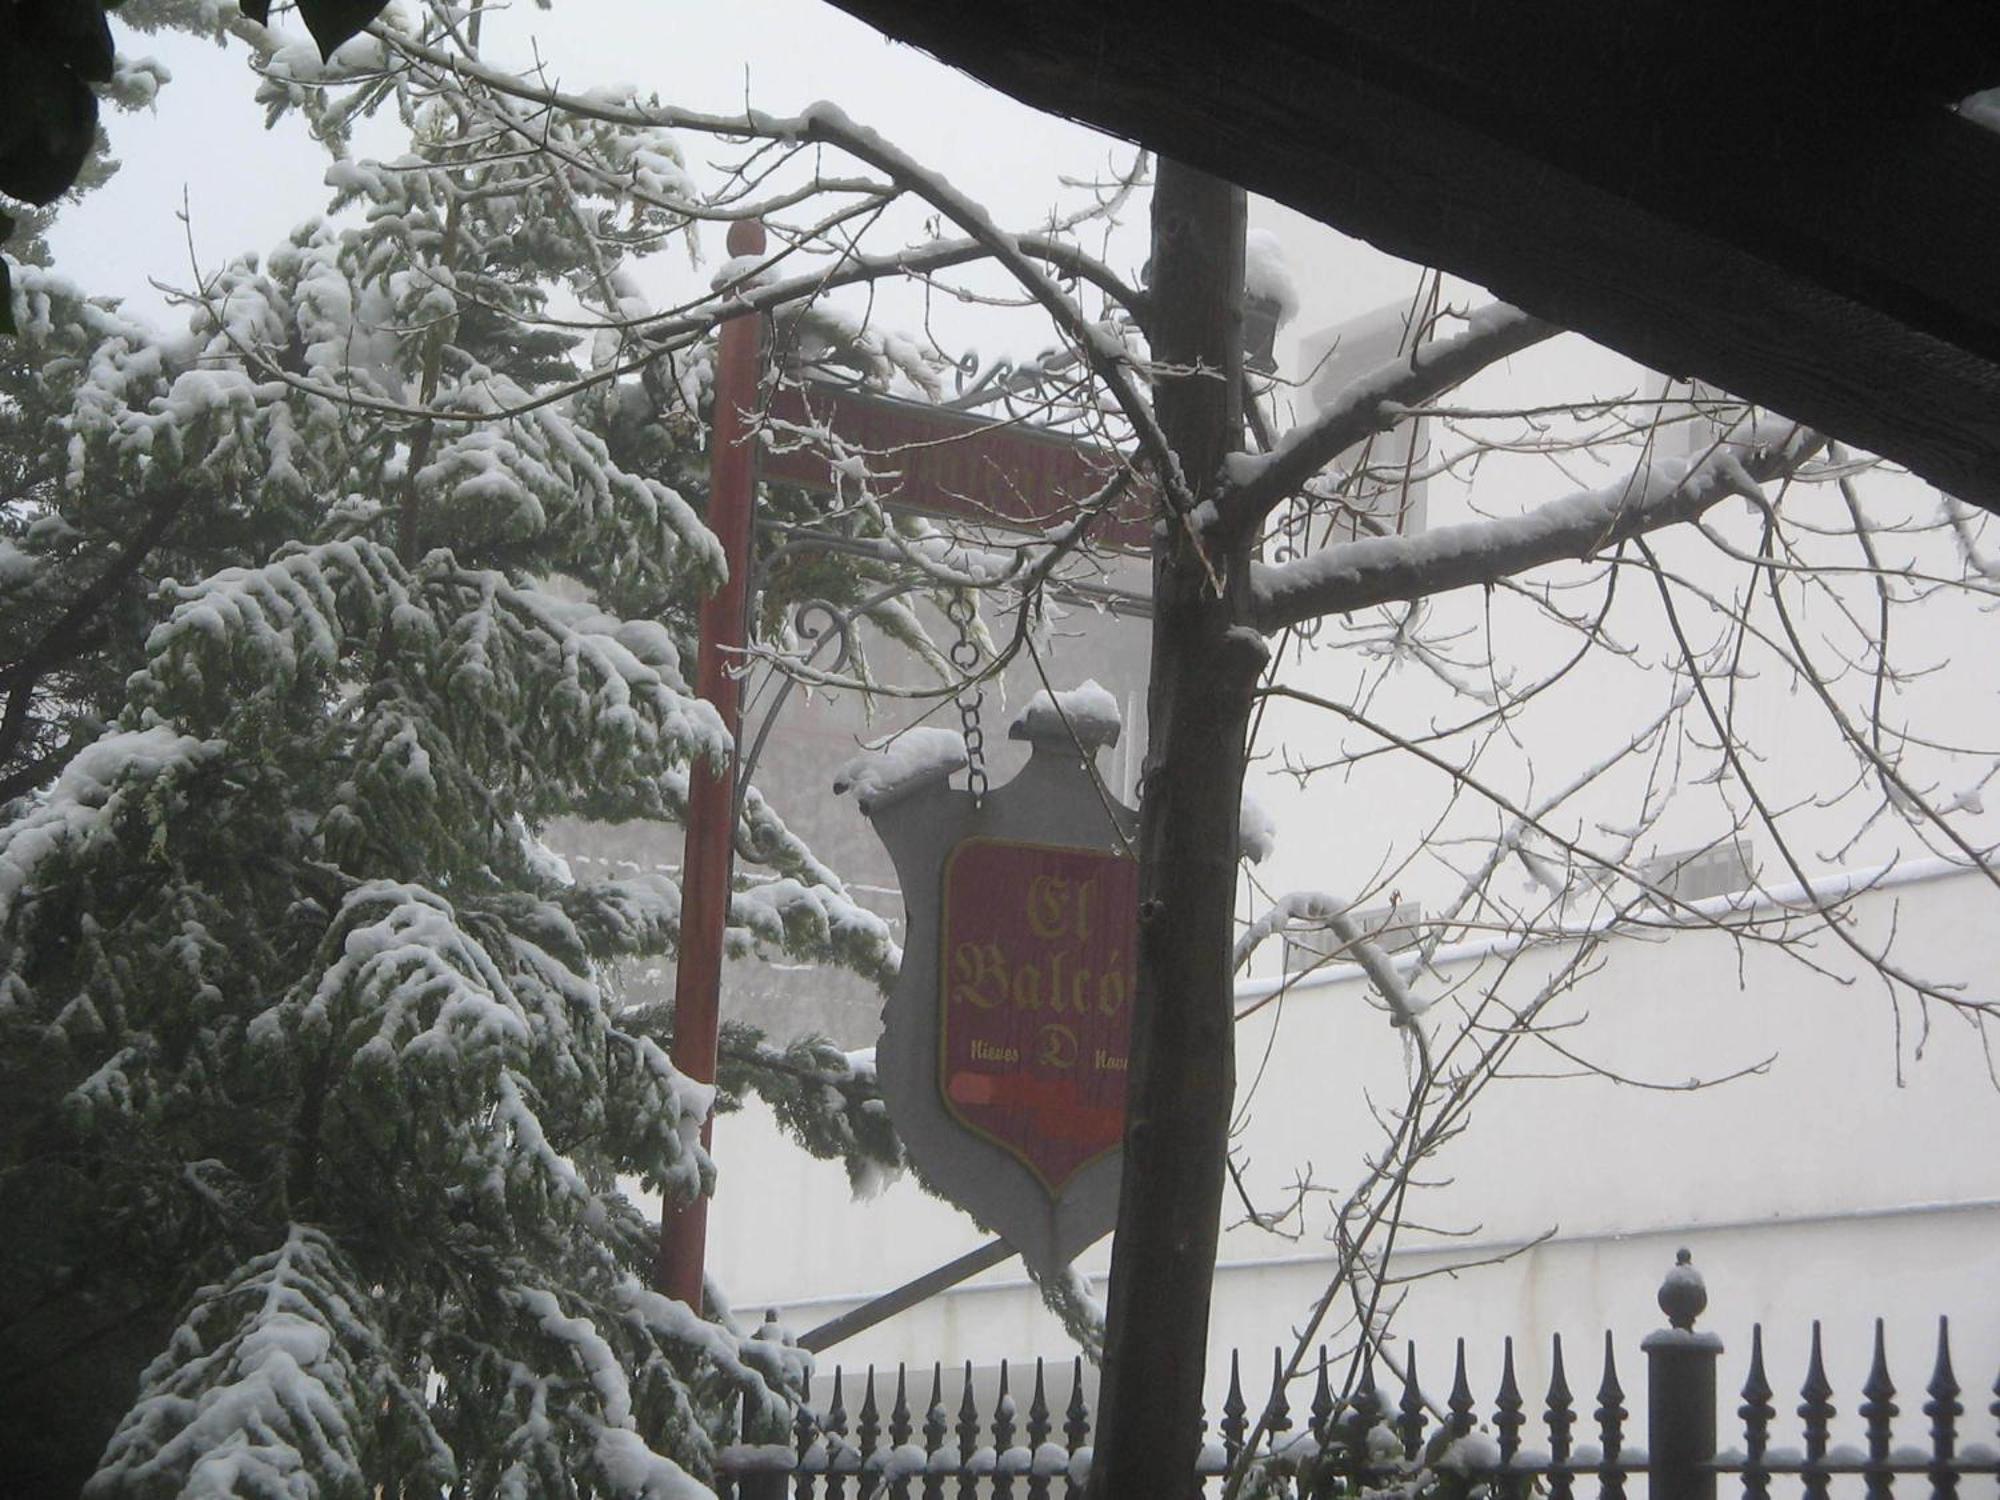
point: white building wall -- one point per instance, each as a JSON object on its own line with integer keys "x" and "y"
{"x": 1823, "y": 1187}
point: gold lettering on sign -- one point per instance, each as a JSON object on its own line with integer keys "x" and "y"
{"x": 1028, "y": 989}
{"x": 1059, "y": 907}
{"x": 983, "y": 979}
{"x": 1056, "y": 1047}
{"x": 973, "y": 967}
{"x": 1048, "y": 903}
{"x": 1060, "y": 980}
{"x": 1111, "y": 994}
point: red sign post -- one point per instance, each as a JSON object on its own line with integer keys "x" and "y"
{"x": 1038, "y": 962}
{"x": 711, "y": 820}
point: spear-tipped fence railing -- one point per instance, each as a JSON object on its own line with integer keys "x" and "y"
{"x": 1365, "y": 1442}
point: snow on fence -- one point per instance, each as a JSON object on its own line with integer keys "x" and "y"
{"x": 1413, "y": 1445}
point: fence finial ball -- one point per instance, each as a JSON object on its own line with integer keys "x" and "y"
{"x": 746, "y": 237}
{"x": 1683, "y": 1294}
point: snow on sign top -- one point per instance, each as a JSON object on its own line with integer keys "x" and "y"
{"x": 914, "y": 759}
{"x": 1088, "y": 716}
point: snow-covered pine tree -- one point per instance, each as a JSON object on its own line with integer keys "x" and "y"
{"x": 315, "y": 1092}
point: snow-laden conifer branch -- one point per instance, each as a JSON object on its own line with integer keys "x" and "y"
{"x": 109, "y": 779}
{"x": 278, "y": 1381}
{"x": 1381, "y": 570}
{"x": 63, "y": 640}
{"x": 824, "y": 1098}
{"x": 283, "y": 943}
{"x": 789, "y": 916}
{"x": 665, "y": 334}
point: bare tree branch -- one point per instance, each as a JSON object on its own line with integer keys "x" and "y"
{"x": 1383, "y": 570}
{"x": 1493, "y": 333}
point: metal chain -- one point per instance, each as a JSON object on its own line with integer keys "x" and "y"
{"x": 965, "y": 656}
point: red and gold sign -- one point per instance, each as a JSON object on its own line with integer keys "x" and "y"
{"x": 1038, "y": 966}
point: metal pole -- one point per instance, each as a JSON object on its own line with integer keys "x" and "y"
{"x": 706, "y": 866}
{"x": 906, "y": 1296}
{"x": 1680, "y": 1403}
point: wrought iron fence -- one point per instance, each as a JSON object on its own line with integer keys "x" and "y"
{"x": 1371, "y": 1439}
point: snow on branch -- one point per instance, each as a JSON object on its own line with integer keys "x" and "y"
{"x": 1256, "y": 830}
{"x": 1383, "y": 570}
{"x": 663, "y": 334}
{"x": 115, "y": 774}
{"x": 850, "y": 266}
{"x": 603, "y": 697}
{"x": 1264, "y": 480}
{"x": 825, "y": 1099}
{"x": 277, "y": 1377}
{"x": 593, "y": 1417}
{"x": 813, "y": 921}
{"x": 1317, "y": 910}
{"x": 607, "y": 1424}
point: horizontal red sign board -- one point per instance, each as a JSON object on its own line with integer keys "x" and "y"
{"x": 952, "y": 463}
{"x": 1039, "y": 963}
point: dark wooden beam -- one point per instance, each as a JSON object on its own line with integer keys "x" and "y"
{"x": 1775, "y": 198}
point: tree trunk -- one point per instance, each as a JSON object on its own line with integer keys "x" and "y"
{"x": 1204, "y": 669}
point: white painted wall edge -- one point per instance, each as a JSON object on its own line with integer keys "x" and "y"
{"x": 1468, "y": 1247}
{"x": 1841, "y": 886}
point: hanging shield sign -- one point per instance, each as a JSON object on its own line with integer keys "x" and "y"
{"x": 1005, "y": 1045}
{"x": 1036, "y": 995}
